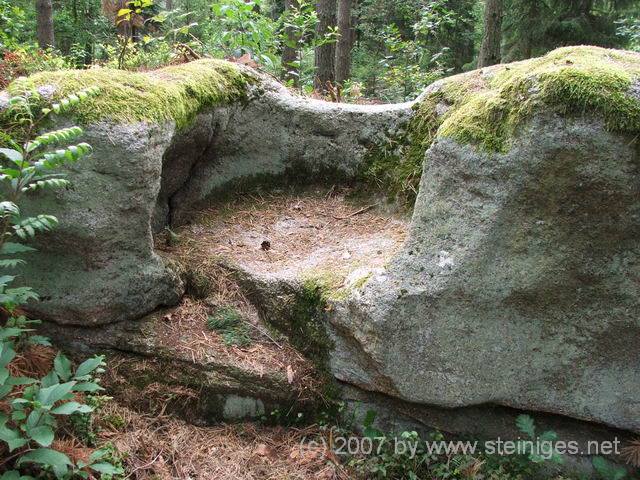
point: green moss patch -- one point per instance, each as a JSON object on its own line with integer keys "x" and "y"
{"x": 487, "y": 107}
{"x": 173, "y": 93}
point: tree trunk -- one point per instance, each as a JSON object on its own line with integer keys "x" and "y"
{"x": 492, "y": 37}
{"x": 529, "y": 15}
{"x": 325, "y": 54}
{"x": 168, "y": 5}
{"x": 527, "y": 37}
{"x": 290, "y": 70}
{"x": 44, "y": 12}
{"x": 345, "y": 41}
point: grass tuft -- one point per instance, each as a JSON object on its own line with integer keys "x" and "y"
{"x": 229, "y": 324}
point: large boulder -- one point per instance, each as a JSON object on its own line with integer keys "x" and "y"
{"x": 517, "y": 288}
{"x": 273, "y": 137}
{"x": 165, "y": 142}
{"x": 99, "y": 265}
{"x": 519, "y": 284}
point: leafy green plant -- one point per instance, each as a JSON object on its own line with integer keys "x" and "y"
{"x": 527, "y": 426}
{"x": 607, "y": 471}
{"x": 241, "y": 29}
{"x": 12, "y": 25}
{"x": 298, "y": 31}
{"x": 408, "y": 456}
{"x": 368, "y": 430}
{"x": 228, "y": 322}
{"x": 407, "y": 66}
{"x": 30, "y": 424}
{"x": 32, "y": 408}
{"x": 629, "y": 28}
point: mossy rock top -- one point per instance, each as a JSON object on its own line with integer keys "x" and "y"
{"x": 174, "y": 93}
{"x": 486, "y": 107}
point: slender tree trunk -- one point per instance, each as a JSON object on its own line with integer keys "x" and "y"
{"x": 532, "y": 13}
{"x": 325, "y": 54}
{"x": 290, "y": 70}
{"x": 44, "y": 12}
{"x": 168, "y": 5}
{"x": 345, "y": 41}
{"x": 492, "y": 37}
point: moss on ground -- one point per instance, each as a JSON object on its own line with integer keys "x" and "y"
{"x": 486, "y": 107}
{"x": 308, "y": 331}
{"x": 175, "y": 93}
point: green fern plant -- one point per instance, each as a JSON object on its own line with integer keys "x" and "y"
{"x": 28, "y": 164}
{"x": 33, "y": 407}
{"x": 608, "y": 471}
{"x": 527, "y": 426}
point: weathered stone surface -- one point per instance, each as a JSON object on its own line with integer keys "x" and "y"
{"x": 278, "y": 134}
{"x": 99, "y": 266}
{"x": 218, "y": 387}
{"x": 519, "y": 284}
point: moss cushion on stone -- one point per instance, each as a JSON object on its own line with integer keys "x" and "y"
{"x": 173, "y": 93}
{"x": 486, "y": 107}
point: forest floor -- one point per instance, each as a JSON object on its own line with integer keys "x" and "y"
{"x": 282, "y": 234}
{"x": 162, "y": 447}
{"x": 328, "y": 232}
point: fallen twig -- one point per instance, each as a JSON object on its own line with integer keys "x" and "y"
{"x": 357, "y": 212}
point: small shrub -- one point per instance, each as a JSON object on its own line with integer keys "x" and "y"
{"x": 27, "y": 60}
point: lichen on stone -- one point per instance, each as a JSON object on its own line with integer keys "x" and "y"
{"x": 176, "y": 93}
{"x": 486, "y": 107}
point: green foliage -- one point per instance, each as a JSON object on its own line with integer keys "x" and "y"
{"x": 607, "y": 471}
{"x": 228, "y": 322}
{"x": 35, "y": 406}
{"x": 527, "y": 426}
{"x": 409, "y": 456}
{"x": 12, "y": 25}
{"x": 81, "y": 30}
{"x": 307, "y": 329}
{"x": 34, "y": 411}
{"x": 298, "y": 30}
{"x": 82, "y": 423}
{"x": 629, "y": 29}
{"x": 27, "y": 165}
{"x": 26, "y": 60}
{"x": 407, "y": 67}
{"x": 406, "y": 45}
{"x": 240, "y": 29}
{"x": 436, "y": 36}
{"x": 533, "y": 28}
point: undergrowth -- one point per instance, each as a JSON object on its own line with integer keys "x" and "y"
{"x": 408, "y": 455}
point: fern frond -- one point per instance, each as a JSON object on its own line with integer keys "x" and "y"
{"x": 28, "y": 227}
